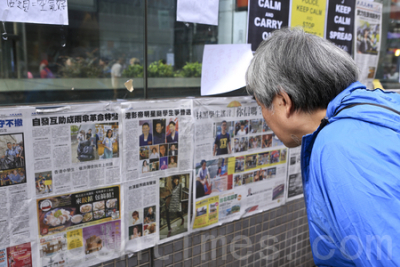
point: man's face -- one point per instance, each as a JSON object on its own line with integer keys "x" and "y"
{"x": 173, "y": 147}
{"x": 223, "y": 127}
{"x": 276, "y": 120}
{"x": 150, "y": 210}
{"x": 145, "y": 129}
{"x": 162, "y": 150}
{"x": 204, "y": 165}
{"x": 158, "y": 128}
{"x": 242, "y": 127}
{"x": 9, "y": 146}
{"x": 90, "y": 131}
{"x": 172, "y": 128}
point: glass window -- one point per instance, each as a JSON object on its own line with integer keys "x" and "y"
{"x": 175, "y": 49}
{"x": 87, "y": 60}
{"x": 108, "y": 42}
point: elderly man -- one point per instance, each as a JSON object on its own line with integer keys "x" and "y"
{"x": 350, "y": 167}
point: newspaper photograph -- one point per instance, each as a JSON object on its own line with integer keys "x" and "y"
{"x": 368, "y": 29}
{"x": 294, "y": 178}
{"x": 16, "y": 256}
{"x": 157, "y": 137}
{"x": 75, "y": 147}
{"x": 174, "y": 205}
{"x": 82, "y": 247}
{"x": 16, "y": 220}
{"x": 240, "y": 153}
{"x": 78, "y": 210}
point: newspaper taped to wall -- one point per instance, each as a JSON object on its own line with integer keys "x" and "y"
{"x": 75, "y": 147}
{"x": 76, "y": 176}
{"x": 16, "y": 219}
{"x": 157, "y": 138}
{"x": 156, "y": 209}
{"x": 294, "y": 178}
{"x": 235, "y": 150}
{"x": 368, "y": 29}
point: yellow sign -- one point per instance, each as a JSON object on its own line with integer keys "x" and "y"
{"x": 74, "y": 239}
{"x": 206, "y": 212}
{"x": 310, "y": 15}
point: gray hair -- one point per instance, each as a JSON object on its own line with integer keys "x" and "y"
{"x": 310, "y": 69}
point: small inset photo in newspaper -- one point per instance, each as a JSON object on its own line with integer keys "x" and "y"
{"x": 223, "y": 133}
{"x": 12, "y": 159}
{"x": 256, "y": 126}
{"x": 94, "y": 141}
{"x": 43, "y": 182}
{"x": 149, "y": 220}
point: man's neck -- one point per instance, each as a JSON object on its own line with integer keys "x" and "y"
{"x": 310, "y": 122}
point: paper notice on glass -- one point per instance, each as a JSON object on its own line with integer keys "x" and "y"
{"x": 35, "y": 11}
{"x": 205, "y": 12}
{"x": 224, "y": 68}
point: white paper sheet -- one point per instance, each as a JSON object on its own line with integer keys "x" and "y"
{"x": 205, "y": 11}
{"x": 224, "y": 67}
{"x": 35, "y": 11}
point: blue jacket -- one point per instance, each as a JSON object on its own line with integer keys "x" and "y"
{"x": 351, "y": 180}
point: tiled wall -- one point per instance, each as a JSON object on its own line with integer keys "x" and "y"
{"x": 277, "y": 237}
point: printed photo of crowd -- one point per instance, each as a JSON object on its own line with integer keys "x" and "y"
{"x": 159, "y": 144}
{"x": 94, "y": 141}
{"x": 12, "y": 159}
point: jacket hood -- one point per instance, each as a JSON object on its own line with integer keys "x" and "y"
{"x": 358, "y": 93}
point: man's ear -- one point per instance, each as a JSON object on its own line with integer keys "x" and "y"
{"x": 285, "y": 101}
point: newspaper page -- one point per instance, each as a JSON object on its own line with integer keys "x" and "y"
{"x": 156, "y": 210}
{"x": 157, "y": 138}
{"x": 368, "y": 29}
{"x": 17, "y": 219}
{"x": 76, "y": 176}
{"x": 80, "y": 229}
{"x": 75, "y": 147}
{"x": 294, "y": 178}
{"x": 235, "y": 150}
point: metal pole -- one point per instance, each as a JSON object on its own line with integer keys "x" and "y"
{"x": 145, "y": 51}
